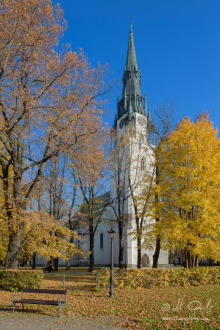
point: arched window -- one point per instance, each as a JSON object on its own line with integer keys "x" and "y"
{"x": 141, "y": 140}
{"x": 145, "y": 260}
{"x": 101, "y": 241}
{"x": 143, "y": 163}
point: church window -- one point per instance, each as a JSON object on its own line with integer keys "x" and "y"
{"x": 101, "y": 241}
{"x": 143, "y": 163}
{"x": 141, "y": 141}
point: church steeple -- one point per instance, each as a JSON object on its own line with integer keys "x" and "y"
{"x": 131, "y": 101}
{"x": 131, "y": 61}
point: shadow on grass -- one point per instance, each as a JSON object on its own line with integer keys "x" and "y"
{"x": 5, "y": 309}
{"x": 34, "y": 311}
{"x": 72, "y": 282}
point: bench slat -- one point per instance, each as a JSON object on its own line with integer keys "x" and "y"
{"x": 36, "y": 302}
{"x": 49, "y": 291}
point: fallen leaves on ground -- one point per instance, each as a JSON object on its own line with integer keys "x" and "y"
{"x": 156, "y": 308}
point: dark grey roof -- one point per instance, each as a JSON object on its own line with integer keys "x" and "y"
{"x": 100, "y": 202}
{"x": 132, "y": 100}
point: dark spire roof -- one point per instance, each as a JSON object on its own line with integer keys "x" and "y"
{"x": 131, "y": 61}
{"x": 131, "y": 95}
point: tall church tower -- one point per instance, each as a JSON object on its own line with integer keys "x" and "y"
{"x": 133, "y": 129}
{"x": 132, "y": 125}
{"x": 132, "y": 105}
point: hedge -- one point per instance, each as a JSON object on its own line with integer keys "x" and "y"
{"x": 146, "y": 278}
{"x": 16, "y": 280}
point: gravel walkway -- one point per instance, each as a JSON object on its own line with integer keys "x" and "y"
{"x": 22, "y": 320}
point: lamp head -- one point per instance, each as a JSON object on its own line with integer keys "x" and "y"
{"x": 111, "y": 233}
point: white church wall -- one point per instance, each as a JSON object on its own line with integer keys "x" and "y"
{"x": 138, "y": 148}
{"x": 102, "y": 253}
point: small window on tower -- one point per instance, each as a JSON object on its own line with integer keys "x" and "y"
{"x": 141, "y": 141}
{"x": 101, "y": 241}
{"x": 143, "y": 163}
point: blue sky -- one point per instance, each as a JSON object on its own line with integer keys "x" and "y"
{"x": 177, "y": 45}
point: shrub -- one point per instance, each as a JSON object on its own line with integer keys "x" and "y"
{"x": 16, "y": 280}
{"x": 146, "y": 278}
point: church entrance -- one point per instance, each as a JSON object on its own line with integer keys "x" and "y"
{"x": 145, "y": 261}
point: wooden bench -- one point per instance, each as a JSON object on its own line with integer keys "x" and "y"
{"x": 61, "y": 301}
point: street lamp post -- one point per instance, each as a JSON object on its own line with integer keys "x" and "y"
{"x": 111, "y": 291}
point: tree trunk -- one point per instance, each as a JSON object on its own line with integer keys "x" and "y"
{"x": 56, "y": 264}
{"x": 157, "y": 247}
{"x": 14, "y": 248}
{"x": 71, "y": 241}
{"x": 156, "y": 253}
{"x": 68, "y": 265}
{"x": 91, "y": 248}
{"x": 16, "y": 225}
{"x": 121, "y": 245}
{"x": 188, "y": 260}
{"x": 196, "y": 261}
{"x": 34, "y": 260}
{"x": 183, "y": 259}
{"x": 139, "y": 253}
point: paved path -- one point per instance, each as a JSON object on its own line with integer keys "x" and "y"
{"x": 22, "y": 320}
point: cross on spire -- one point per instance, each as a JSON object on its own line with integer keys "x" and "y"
{"x": 130, "y": 23}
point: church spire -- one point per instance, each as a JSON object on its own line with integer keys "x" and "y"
{"x": 131, "y": 61}
{"x": 131, "y": 101}
{"x": 132, "y": 76}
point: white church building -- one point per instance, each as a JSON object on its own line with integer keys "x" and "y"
{"x": 133, "y": 125}
{"x": 133, "y": 122}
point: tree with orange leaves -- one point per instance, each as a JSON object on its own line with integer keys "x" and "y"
{"x": 47, "y": 103}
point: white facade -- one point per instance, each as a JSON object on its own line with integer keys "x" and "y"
{"x": 138, "y": 166}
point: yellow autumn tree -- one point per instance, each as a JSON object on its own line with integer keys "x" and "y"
{"x": 189, "y": 190}
{"x": 48, "y": 238}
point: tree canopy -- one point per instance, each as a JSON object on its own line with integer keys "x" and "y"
{"x": 189, "y": 189}
{"x": 48, "y": 104}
